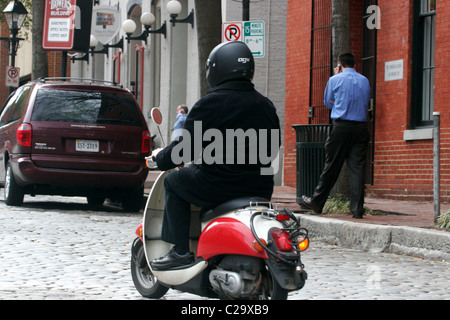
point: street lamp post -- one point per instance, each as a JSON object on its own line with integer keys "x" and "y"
{"x": 15, "y": 14}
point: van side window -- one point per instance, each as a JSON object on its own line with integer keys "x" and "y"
{"x": 15, "y": 106}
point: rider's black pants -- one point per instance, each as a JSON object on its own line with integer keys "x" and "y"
{"x": 177, "y": 213}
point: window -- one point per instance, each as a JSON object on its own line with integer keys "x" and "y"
{"x": 85, "y": 107}
{"x": 15, "y": 107}
{"x": 321, "y": 60}
{"x": 423, "y": 63}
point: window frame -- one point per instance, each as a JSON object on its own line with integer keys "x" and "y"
{"x": 423, "y": 66}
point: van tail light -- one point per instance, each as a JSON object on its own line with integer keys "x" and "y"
{"x": 146, "y": 142}
{"x": 23, "y": 134}
{"x": 280, "y": 238}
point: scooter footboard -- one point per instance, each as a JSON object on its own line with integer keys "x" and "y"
{"x": 153, "y": 224}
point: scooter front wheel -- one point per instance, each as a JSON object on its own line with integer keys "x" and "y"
{"x": 144, "y": 280}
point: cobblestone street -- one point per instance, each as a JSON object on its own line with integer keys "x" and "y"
{"x": 57, "y": 248}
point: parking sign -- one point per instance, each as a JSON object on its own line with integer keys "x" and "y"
{"x": 12, "y": 77}
{"x": 232, "y": 31}
{"x": 254, "y": 37}
{"x": 249, "y": 32}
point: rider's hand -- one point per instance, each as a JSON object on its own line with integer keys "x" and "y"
{"x": 155, "y": 152}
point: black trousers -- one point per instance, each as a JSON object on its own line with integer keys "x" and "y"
{"x": 347, "y": 141}
{"x": 177, "y": 212}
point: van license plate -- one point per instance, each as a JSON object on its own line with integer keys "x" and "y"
{"x": 87, "y": 145}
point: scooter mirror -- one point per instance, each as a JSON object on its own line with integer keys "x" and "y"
{"x": 156, "y": 116}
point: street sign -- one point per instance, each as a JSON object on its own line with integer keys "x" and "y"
{"x": 254, "y": 37}
{"x": 250, "y": 32}
{"x": 67, "y": 25}
{"x": 12, "y": 77}
{"x": 232, "y": 31}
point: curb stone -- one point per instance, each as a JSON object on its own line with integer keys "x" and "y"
{"x": 417, "y": 242}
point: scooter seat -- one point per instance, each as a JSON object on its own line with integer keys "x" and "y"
{"x": 230, "y": 205}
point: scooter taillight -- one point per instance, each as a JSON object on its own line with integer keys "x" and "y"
{"x": 280, "y": 238}
{"x": 139, "y": 231}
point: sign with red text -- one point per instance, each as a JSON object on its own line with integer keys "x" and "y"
{"x": 67, "y": 25}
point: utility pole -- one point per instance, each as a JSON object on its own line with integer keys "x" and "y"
{"x": 245, "y": 10}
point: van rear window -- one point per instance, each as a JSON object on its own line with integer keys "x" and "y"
{"x": 86, "y": 107}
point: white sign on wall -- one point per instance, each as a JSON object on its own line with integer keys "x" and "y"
{"x": 393, "y": 70}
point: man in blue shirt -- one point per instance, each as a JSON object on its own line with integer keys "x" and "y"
{"x": 182, "y": 113}
{"x": 347, "y": 95}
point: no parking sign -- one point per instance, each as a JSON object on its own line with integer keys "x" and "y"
{"x": 231, "y": 31}
{"x": 12, "y": 76}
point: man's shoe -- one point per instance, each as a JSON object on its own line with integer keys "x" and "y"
{"x": 357, "y": 216}
{"x": 173, "y": 260}
{"x": 307, "y": 201}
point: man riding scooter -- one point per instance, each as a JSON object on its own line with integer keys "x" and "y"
{"x": 232, "y": 103}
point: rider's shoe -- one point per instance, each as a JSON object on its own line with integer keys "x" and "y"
{"x": 173, "y": 260}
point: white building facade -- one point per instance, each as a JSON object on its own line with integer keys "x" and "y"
{"x": 164, "y": 71}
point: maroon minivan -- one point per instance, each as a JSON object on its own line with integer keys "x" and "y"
{"x": 73, "y": 139}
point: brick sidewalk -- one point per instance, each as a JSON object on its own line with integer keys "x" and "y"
{"x": 393, "y": 212}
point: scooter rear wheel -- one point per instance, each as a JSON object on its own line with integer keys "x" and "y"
{"x": 273, "y": 290}
{"x": 144, "y": 281}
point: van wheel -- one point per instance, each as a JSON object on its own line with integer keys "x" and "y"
{"x": 95, "y": 200}
{"x": 133, "y": 199}
{"x": 13, "y": 192}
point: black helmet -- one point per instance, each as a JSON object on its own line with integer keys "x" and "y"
{"x": 229, "y": 60}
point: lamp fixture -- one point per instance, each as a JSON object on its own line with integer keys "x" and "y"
{"x": 15, "y": 14}
{"x": 147, "y": 19}
{"x": 92, "y": 44}
{"x": 174, "y": 8}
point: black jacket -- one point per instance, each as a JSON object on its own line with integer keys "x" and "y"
{"x": 233, "y": 105}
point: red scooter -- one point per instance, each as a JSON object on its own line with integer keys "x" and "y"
{"x": 245, "y": 249}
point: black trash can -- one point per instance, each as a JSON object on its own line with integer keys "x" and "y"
{"x": 310, "y": 145}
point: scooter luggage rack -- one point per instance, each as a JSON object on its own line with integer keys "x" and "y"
{"x": 269, "y": 210}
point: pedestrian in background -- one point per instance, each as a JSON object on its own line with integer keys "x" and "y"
{"x": 182, "y": 113}
{"x": 347, "y": 95}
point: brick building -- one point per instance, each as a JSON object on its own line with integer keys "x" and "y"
{"x": 405, "y": 58}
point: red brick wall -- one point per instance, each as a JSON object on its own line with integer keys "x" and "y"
{"x": 402, "y": 169}
{"x": 298, "y": 54}
{"x": 4, "y": 62}
{"x": 298, "y": 72}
